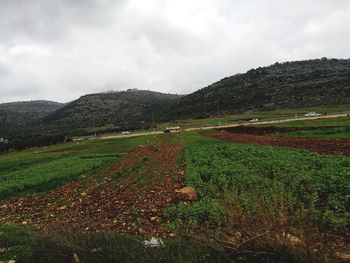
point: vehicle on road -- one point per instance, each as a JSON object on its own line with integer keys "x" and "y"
{"x": 312, "y": 114}
{"x": 254, "y": 120}
{"x": 172, "y": 129}
{"x": 125, "y": 132}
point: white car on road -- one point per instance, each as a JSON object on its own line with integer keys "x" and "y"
{"x": 312, "y": 114}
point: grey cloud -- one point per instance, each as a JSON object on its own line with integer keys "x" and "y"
{"x": 62, "y": 49}
{"x": 48, "y": 20}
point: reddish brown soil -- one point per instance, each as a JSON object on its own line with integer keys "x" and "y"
{"x": 263, "y": 130}
{"x": 131, "y": 203}
{"x": 324, "y": 146}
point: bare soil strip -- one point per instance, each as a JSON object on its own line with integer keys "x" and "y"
{"x": 127, "y": 202}
{"x": 257, "y": 136}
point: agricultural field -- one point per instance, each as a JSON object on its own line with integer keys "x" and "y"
{"x": 266, "y": 115}
{"x": 277, "y": 201}
{"x": 42, "y": 169}
{"x": 322, "y": 128}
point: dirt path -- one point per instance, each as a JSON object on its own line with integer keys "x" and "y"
{"x": 128, "y": 198}
{"x": 324, "y": 146}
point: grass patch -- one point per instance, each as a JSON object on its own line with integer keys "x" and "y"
{"x": 44, "y": 177}
{"x": 316, "y": 123}
{"x": 339, "y": 132}
{"x": 68, "y": 246}
{"x": 42, "y": 169}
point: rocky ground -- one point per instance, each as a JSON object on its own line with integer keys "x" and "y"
{"x": 126, "y": 197}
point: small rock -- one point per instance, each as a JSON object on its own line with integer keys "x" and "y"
{"x": 83, "y": 194}
{"x": 24, "y": 223}
{"x": 343, "y": 257}
{"x": 153, "y": 242}
{"x": 63, "y": 207}
{"x": 187, "y": 194}
{"x": 76, "y": 258}
{"x": 168, "y": 200}
{"x": 290, "y": 239}
{"x": 172, "y": 235}
{"x": 154, "y": 218}
{"x": 4, "y": 206}
{"x": 142, "y": 231}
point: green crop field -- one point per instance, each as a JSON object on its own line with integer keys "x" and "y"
{"x": 316, "y": 123}
{"x": 42, "y": 169}
{"x": 252, "y": 190}
{"x": 328, "y": 128}
{"x": 263, "y": 179}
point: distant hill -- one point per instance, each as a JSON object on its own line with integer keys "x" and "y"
{"x": 123, "y": 109}
{"x": 299, "y": 84}
{"x": 26, "y": 112}
{"x": 282, "y": 85}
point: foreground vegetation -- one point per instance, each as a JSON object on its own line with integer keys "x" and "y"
{"x": 257, "y": 203}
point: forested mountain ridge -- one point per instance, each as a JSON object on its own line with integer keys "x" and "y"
{"x": 299, "y": 84}
{"x": 26, "y": 112}
{"x": 122, "y": 109}
{"x": 282, "y": 85}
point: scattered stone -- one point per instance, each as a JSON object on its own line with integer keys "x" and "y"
{"x": 142, "y": 231}
{"x": 187, "y": 194}
{"x": 154, "y": 218}
{"x": 290, "y": 239}
{"x": 153, "y": 242}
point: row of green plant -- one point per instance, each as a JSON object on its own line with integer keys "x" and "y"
{"x": 303, "y": 181}
{"x": 44, "y": 177}
{"x": 251, "y": 196}
{"x": 44, "y": 168}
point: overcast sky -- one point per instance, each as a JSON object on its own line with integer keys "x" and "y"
{"x": 62, "y": 49}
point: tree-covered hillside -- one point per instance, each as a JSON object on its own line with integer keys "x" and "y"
{"x": 26, "y": 112}
{"x": 123, "y": 109}
{"x": 300, "y": 84}
{"x": 282, "y": 85}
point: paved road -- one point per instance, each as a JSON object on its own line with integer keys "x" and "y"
{"x": 268, "y": 122}
{"x": 223, "y": 126}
